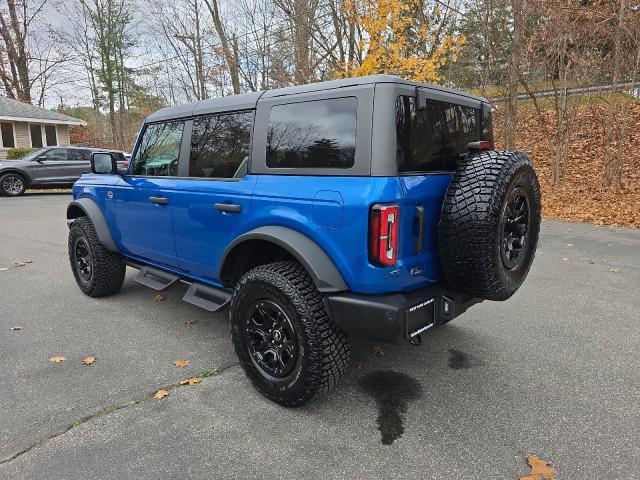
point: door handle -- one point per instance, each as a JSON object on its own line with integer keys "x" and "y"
{"x": 159, "y": 200}
{"x": 228, "y": 207}
{"x": 419, "y": 216}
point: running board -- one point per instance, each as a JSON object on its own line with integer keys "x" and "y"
{"x": 155, "y": 279}
{"x": 211, "y": 299}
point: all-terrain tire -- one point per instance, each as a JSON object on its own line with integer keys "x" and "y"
{"x": 322, "y": 350}
{"x": 12, "y": 184}
{"x": 490, "y": 224}
{"x": 106, "y": 269}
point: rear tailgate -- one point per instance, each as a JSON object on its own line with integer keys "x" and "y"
{"x": 419, "y": 216}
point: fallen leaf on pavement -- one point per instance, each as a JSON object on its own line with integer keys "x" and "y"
{"x": 191, "y": 381}
{"x": 189, "y": 323}
{"x": 56, "y": 358}
{"x": 159, "y": 297}
{"x": 89, "y": 360}
{"x": 16, "y": 328}
{"x": 160, "y": 394}
{"x": 181, "y": 363}
{"x": 19, "y": 264}
{"x": 615, "y": 270}
{"x": 540, "y": 469}
{"x": 376, "y": 350}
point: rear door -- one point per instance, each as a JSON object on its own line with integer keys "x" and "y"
{"x": 79, "y": 162}
{"x": 213, "y": 197}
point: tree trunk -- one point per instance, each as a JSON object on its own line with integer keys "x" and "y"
{"x": 613, "y": 159}
{"x": 511, "y": 115}
{"x": 227, "y": 50}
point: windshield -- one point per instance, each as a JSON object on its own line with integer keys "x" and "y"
{"x": 34, "y": 154}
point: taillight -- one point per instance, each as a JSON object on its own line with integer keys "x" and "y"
{"x": 383, "y": 235}
{"x": 486, "y": 145}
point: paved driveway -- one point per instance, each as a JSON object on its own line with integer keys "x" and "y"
{"x": 551, "y": 372}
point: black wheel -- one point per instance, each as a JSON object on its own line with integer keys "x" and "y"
{"x": 98, "y": 271}
{"x": 285, "y": 341}
{"x": 490, "y": 224}
{"x": 12, "y": 184}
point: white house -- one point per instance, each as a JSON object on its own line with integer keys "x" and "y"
{"x": 23, "y": 125}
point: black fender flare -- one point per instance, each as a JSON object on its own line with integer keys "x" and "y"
{"x": 90, "y": 209}
{"x": 317, "y": 263}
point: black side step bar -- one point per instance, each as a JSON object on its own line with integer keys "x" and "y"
{"x": 155, "y": 279}
{"x": 211, "y": 299}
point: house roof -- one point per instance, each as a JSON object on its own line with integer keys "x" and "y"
{"x": 15, "y": 111}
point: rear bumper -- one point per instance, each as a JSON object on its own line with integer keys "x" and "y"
{"x": 396, "y": 317}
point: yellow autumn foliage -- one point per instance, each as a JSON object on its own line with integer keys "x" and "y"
{"x": 402, "y": 39}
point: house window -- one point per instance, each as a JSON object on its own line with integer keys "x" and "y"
{"x": 8, "y": 140}
{"x": 51, "y": 135}
{"x": 36, "y": 136}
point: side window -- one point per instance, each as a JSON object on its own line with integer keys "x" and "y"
{"x": 78, "y": 155}
{"x": 433, "y": 138}
{"x": 315, "y": 134}
{"x": 159, "y": 150}
{"x": 7, "y": 135}
{"x": 219, "y": 144}
{"x": 56, "y": 154}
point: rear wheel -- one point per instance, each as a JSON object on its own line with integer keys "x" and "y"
{"x": 12, "y": 184}
{"x": 98, "y": 271}
{"x": 285, "y": 341}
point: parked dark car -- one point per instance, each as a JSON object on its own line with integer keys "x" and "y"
{"x": 49, "y": 167}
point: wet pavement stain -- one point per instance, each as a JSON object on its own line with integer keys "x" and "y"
{"x": 458, "y": 360}
{"x": 393, "y": 391}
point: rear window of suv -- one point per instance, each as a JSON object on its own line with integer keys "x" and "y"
{"x": 313, "y": 134}
{"x": 433, "y": 138}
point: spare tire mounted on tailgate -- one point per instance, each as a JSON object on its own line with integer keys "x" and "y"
{"x": 489, "y": 225}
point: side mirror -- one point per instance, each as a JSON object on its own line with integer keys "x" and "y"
{"x": 104, "y": 162}
{"x": 41, "y": 158}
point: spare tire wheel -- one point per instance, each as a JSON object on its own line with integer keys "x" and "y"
{"x": 489, "y": 225}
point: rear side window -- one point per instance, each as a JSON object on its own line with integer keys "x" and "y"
{"x": 314, "y": 134}
{"x": 433, "y": 138}
{"x": 219, "y": 144}
{"x": 159, "y": 150}
{"x": 76, "y": 155}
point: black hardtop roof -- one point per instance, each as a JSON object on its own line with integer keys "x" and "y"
{"x": 247, "y": 101}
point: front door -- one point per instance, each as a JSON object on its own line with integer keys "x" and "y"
{"x": 145, "y": 199}
{"x": 51, "y": 167}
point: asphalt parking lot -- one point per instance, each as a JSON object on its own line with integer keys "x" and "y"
{"x": 552, "y": 372}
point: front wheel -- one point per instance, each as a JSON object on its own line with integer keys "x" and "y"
{"x": 12, "y": 184}
{"x": 285, "y": 341}
{"x": 98, "y": 271}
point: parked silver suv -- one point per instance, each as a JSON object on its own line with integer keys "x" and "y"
{"x": 49, "y": 167}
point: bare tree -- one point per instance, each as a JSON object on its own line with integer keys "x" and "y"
{"x": 15, "y": 23}
{"x": 229, "y": 45}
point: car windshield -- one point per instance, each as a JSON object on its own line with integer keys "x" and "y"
{"x": 34, "y": 154}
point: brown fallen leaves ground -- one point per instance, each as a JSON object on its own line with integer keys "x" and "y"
{"x": 540, "y": 469}
{"x": 582, "y": 197}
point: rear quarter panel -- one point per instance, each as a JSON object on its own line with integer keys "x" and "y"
{"x": 334, "y": 212}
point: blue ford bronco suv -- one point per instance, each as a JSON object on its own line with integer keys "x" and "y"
{"x": 368, "y": 207}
